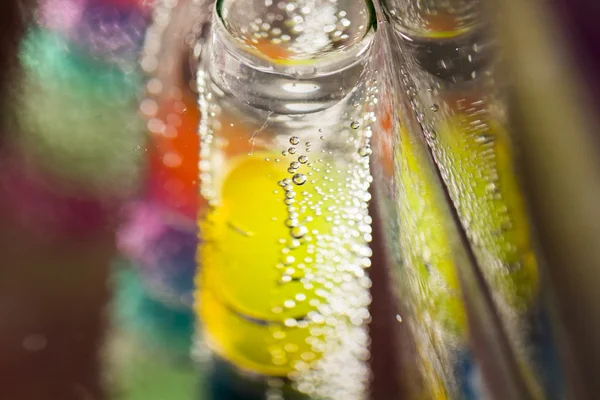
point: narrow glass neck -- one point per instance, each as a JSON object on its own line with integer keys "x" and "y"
{"x": 272, "y": 70}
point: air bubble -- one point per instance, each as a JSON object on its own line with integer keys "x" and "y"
{"x": 289, "y": 304}
{"x": 289, "y": 260}
{"x": 355, "y": 125}
{"x": 299, "y": 179}
{"x": 299, "y": 232}
{"x": 294, "y": 140}
{"x": 364, "y": 151}
{"x": 303, "y": 159}
{"x": 435, "y": 107}
{"x": 292, "y": 150}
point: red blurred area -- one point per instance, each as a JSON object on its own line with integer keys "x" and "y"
{"x": 174, "y": 152}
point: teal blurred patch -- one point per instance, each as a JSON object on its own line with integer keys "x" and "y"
{"x": 148, "y": 350}
{"x": 156, "y": 324}
{"x": 77, "y": 115}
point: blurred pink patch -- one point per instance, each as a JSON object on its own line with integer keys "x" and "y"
{"x": 61, "y": 15}
{"x": 144, "y": 225}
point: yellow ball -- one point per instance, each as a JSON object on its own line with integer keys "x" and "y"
{"x": 255, "y": 295}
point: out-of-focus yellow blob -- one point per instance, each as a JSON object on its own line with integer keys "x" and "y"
{"x": 253, "y": 293}
{"x": 432, "y": 274}
{"x": 478, "y": 169}
{"x": 483, "y": 185}
{"x": 427, "y": 246}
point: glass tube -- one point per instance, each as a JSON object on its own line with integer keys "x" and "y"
{"x": 454, "y": 88}
{"x": 422, "y": 250}
{"x": 283, "y": 294}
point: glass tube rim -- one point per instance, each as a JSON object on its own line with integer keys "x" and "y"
{"x": 309, "y": 68}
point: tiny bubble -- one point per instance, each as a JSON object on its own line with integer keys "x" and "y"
{"x": 364, "y": 151}
{"x": 298, "y": 232}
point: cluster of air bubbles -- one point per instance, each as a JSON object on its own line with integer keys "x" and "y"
{"x": 327, "y": 201}
{"x": 305, "y": 28}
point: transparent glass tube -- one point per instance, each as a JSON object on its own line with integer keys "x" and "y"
{"x": 283, "y": 294}
{"x": 454, "y": 88}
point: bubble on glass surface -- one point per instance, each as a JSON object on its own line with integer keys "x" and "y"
{"x": 364, "y": 151}
{"x": 299, "y": 179}
{"x": 299, "y": 232}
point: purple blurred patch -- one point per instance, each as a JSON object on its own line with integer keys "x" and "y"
{"x": 108, "y": 30}
{"x": 163, "y": 245}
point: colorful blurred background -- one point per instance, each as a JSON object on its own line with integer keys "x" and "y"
{"x": 100, "y": 191}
